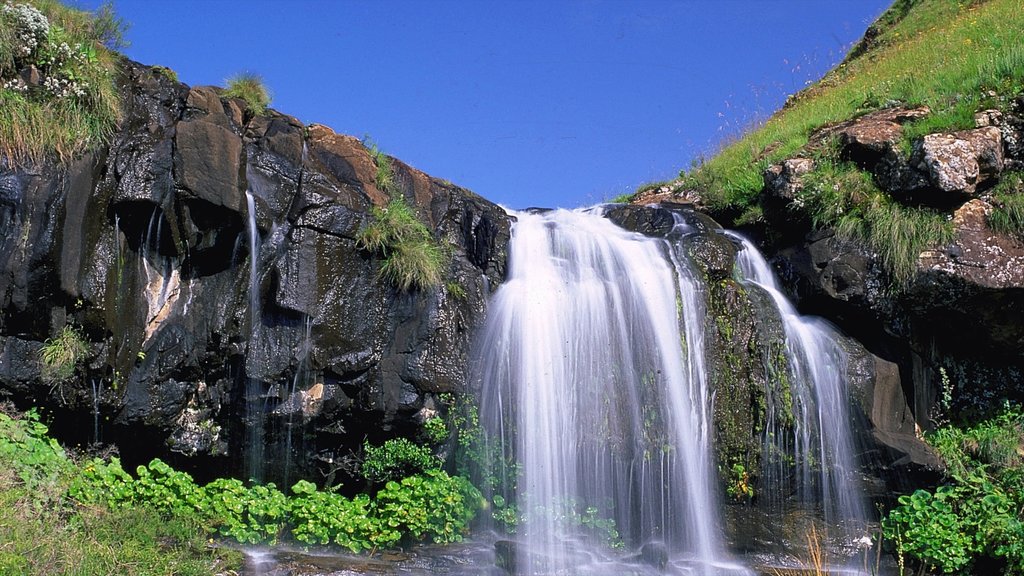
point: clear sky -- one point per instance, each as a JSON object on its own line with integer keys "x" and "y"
{"x": 526, "y": 102}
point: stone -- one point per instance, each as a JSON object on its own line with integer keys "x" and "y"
{"x": 950, "y": 163}
{"x": 989, "y": 117}
{"x": 783, "y": 181}
{"x": 207, "y": 163}
{"x": 987, "y": 143}
{"x": 31, "y": 76}
{"x": 650, "y": 221}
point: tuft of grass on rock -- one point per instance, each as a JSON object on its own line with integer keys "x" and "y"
{"x": 412, "y": 258}
{"x": 251, "y": 89}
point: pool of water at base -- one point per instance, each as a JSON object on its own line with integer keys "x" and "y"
{"x": 477, "y": 557}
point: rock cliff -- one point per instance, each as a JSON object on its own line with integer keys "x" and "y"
{"x": 208, "y": 258}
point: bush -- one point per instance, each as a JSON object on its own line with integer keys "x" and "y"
{"x": 60, "y": 355}
{"x": 412, "y": 258}
{"x": 250, "y": 89}
{"x": 396, "y": 459}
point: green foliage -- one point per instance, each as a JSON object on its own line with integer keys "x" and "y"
{"x": 412, "y": 258}
{"x": 968, "y": 49}
{"x": 165, "y": 72}
{"x": 396, "y": 459}
{"x": 250, "y": 89}
{"x": 739, "y": 487}
{"x": 60, "y": 355}
{"x": 1007, "y": 216}
{"x": 979, "y": 514}
{"x": 429, "y": 505}
{"x": 44, "y": 531}
{"x": 76, "y": 104}
{"x": 385, "y": 177}
{"x": 455, "y": 290}
{"x": 436, "y": 430}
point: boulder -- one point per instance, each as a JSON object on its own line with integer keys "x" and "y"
{"x": 783, "y": 181}
{"x": 207, "y": 163}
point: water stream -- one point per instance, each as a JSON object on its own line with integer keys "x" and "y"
{"x": 821, "y": 441}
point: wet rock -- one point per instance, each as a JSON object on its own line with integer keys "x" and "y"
{"x": 207, "y": 163}
{"x": 647, "y": 220}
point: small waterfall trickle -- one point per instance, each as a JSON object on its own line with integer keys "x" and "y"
{"x": 821, "y": 440}
{"x": 594, "y": 383}
{"x": 255, "y": 409}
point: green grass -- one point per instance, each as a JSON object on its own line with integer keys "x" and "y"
{"x": 250, "y": 89}
{"x": 966, "y": 48}
{"x": 412, "y": 258}
{"x": 840, "y": 196}
{"x": 45, "y": 532}
{"x": 384, "y": 179}
{"x": 41, "y": 122}
{"x": 1007, "y": 216}
{"x": 61, "y": 354}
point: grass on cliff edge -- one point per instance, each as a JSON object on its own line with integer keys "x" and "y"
{"x": 57, "y": 119}
{"x": 946, "y": 54}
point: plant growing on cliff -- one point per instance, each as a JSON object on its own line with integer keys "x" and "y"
{"x": 61, "y": 354}
{"x": 1007, "y": 216}
{"x": 384, "y": 179}
{"x": 57, "y": 92}
{"x": 251, "y": 89}
{"x": 412, "y": 258}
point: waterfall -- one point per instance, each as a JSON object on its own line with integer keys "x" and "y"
{"x": 593, "y": 382}
{"x": 821, "y": 439}
{"x": 254, "y": 402}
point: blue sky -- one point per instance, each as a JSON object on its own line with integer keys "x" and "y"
{"x": 527, "y": 103}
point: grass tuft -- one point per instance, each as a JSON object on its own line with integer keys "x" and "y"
{"x": 1007, "y": 216}
{"x": 412, "y": 258}
{"x": 250, "y": 89}
{"x": 60, "y": 355}
{"x": 842, "y": 197}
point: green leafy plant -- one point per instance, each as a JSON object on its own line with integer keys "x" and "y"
{"x": 412, "y": 258}
{"x": 395, "y": 459}
{"x": 60, "y": 355}
{"x": 435, "y": 430}
{"x": 251, "y": 89}
{"x": 978, "y": 513}
{"x": 740, "y": 487}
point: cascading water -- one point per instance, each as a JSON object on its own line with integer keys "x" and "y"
{"x": 254, "y": 401}
{"x": 821, "y": 440}
{"x": 594, "y": 382}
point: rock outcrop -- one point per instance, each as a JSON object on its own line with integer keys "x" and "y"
{"x": 209, "y": 259}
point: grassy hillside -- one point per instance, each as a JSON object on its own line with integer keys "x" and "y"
{"x": 955, "y": 56}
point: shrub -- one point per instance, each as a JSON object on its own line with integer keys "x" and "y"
{"x": 60, "y": 355}
{"x": 411, "y": 256}
{"x": 250, "y": 89}
{"x": 396, "y": 459}
{"x": 384, "y": 179}
{"x": 977, "y": 514}
{"x": 77, "y": 104}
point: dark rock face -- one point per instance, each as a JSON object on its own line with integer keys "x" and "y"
{"x": 146, "y": 247}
